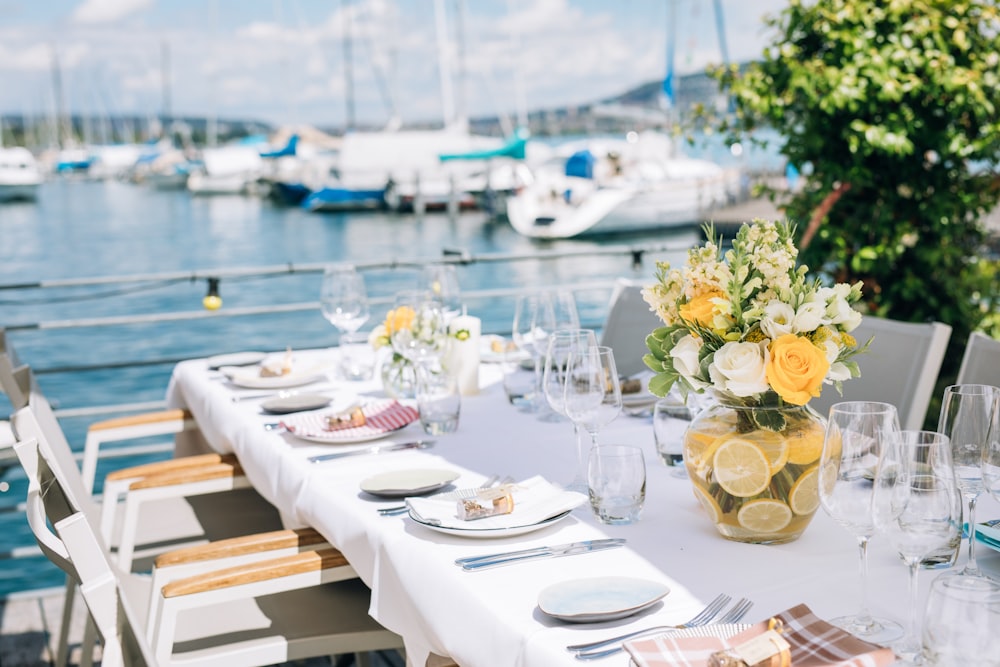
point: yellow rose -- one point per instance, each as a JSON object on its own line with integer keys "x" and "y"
{"x": 700, "y": 309}
{"x": 399, "y": 319}
{"x": 796, "y": 369}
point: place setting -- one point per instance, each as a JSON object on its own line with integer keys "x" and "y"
{"x": 274, "y": 371}
{"x": 361, "y": 422}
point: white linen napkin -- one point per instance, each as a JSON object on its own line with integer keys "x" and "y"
{"x": 535, "y": 499}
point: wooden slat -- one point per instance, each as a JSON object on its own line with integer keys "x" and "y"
{"x": 139, "y": 420}
{"x": 171, "y": 465}
{"x": 238, "y": 546}
{"x": 187, "y": 476}
{"x": 307, "y": 561}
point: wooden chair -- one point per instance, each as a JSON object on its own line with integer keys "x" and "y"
{"x": 628, "y": 323}
{"x": 981, "y": 361}
{"x": 900, "y": 367}
{"x": 271, "y": 610}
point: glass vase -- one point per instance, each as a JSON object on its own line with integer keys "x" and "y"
{"x": 756, "y": 469}
{"x": 399, "y": 377}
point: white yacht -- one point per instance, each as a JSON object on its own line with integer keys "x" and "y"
{"x": 20, "y": 175}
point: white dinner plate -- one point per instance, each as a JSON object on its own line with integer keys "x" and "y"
{"x": 250, "y": 377}
{"x": 598, "y": 599}
{"x": 383, "y": 416}
{"x": 235, "y": 359}
{"x": 402, "y": 483}
{"x": 506, "y": 531}
{"x": 299, "y": 402}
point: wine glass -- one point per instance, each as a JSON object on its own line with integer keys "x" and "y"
{"x": 562, "y": 346}
{"x": 424, "y": 340}
{"x": 917, "y": 507}
{"x": 442, "y": 281}
{"x": 856, "y": 432}
{"x": 343, "y": 298}
{"x": 536, "y": 316}
{"x": 968, "y": 411}
{"x": 593, "y": 389}
{"x": 991, "y": 457}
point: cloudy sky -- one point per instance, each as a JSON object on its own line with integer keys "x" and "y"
{"x": 283, "y": 61}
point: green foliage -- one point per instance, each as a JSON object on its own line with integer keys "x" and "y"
{"x": 896, "y": 104}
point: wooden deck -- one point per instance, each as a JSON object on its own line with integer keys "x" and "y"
{"x": 29, "y": 627}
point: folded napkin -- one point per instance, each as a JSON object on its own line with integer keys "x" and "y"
{"x": 381, "y": 416}
{"x": 535, "y": 500}
{"x": 814, "y": 643}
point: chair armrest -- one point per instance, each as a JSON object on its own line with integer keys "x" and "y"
{"x": 307, "y": 561}
{"x": 171, "y": 465}
{"x": 239, "y": 546}
{"x": 188, "y": 475}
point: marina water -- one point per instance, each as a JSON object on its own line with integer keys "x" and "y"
{"x": 84, "y": 229}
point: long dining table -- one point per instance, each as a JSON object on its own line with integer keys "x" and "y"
{"x": 491, "y": 618}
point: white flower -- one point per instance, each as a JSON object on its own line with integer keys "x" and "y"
{"x": 808, "y": 317}
{"x": 777, "y": 319}
{"x": 739, "y": 368}
{"x": 838, "y": 370}
{"x": 685, "y": 359}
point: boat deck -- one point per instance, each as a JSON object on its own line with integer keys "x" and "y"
{"x": 29, "y": 627}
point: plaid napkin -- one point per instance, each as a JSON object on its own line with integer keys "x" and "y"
{"x": 814, "y": 643}
{"x": 381, "y": 416}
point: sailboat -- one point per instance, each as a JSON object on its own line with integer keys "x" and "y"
{"x": 619, "y": 185}
{"x": 20, "y": 175}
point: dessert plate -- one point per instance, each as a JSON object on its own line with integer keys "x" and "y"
{"x": 598, "y": 599}
{"x": 300, "y": 402}
{"x": 503, "y": 531}
{"x": 402, "y": 483}
{"x": 235, "y": 359}
{"x": 250, "y": 377}
{"x": 382, "y": 417}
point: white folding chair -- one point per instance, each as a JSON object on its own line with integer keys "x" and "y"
{"x": 981, "y": 361}
{"x": 272, "y": 610}
{"x": 900, "y": 367}
{"x": 628, "y": 323}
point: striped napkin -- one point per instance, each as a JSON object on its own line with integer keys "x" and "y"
{"x": 814, "y": 643}
{"x": 381, "y": 416}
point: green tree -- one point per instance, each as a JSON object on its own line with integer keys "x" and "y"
{"x": 891, "y": 109}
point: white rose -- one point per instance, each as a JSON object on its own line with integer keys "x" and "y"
{"x": 685, "y": 359}
{"x": 842, "y": 314}
{"x": 808, "y": 317}
{"x": 777, "y": 319}
{"x": 739, "y": 368}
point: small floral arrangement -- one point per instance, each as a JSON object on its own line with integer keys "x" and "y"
{"x": 405, "y": 328}
{"x": 748, "y": 324}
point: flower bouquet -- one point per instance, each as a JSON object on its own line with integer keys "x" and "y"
{"x": 415, "y": 335}
{"x": 750, "y": 327}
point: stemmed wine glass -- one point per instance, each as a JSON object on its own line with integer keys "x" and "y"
{"x": 343, "y": 298}
{"x": 991, "y": 457}
{"x": 563, "y": 346}
{"x": 536, "y": 316}
{"x": 918, "y": 508}
{"x": 442, "y": 281}
{"x": 424, "y": 340}
{"x": 968, "y": 411}
{"x": 856, "y": 433}
{"x": 593, "y": 389}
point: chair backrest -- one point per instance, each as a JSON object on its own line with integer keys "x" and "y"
{"x": 76, "y": 549}
{"x": 628, "y": 323}
{"x": 14, "y": 376}
{"x": 900, "y": 367}
{"x": 981, "y": 361}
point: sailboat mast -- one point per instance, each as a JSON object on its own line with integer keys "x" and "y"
{"x": 165, "y": 76}
{"x": 348, "y": 69}
{"x": 444, "y": 64}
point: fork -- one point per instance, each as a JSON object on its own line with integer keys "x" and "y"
{"x": 701, "y": 618}
{"x": 737, "y": 612}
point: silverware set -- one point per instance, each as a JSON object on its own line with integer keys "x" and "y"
{"x": 473, "y": 563}
{"x": 706, "y": 618}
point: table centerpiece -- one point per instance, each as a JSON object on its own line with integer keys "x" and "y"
{"x": 747, "y": 326}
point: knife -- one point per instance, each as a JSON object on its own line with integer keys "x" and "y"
{"x": 377, "y": 449}
{"x": 481, "y": 562}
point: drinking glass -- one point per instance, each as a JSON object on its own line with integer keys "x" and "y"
{"x": 438, "y": 399}
{"x": 968, "y": 411}
{"x": 616, "y": 483}
{"x": 536, "y": 316}
{"x": 442, "y": 281}
{"x": 991, "y": 457}
{"x": 343, "y": 298}
{"x": 593, "y": 390}
{"x": 562, "y": 345}
{"x": 917, "y": 508}
{"x": 672, "y": 415}
{"x": 423, "y": 342}
{"x": 962, "y": 622}
{"x": 856, "y": 432}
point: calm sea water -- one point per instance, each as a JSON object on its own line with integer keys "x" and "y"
{"x": 86, "y": 229}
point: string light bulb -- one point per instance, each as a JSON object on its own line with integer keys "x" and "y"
{"x": 212, "y": 300}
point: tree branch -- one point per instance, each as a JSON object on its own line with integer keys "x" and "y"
{"x": 821, "y": 212}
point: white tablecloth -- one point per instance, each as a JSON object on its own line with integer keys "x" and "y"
{"x": 490, "y": 617}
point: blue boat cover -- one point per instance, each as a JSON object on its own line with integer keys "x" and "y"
{"x": 581, "y": 164}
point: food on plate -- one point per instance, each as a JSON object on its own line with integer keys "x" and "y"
{"x": 631, "y": 386}
{"x": 277, "y": 368}
{"x": 352, "y": 419}
{"x": 487, "y": 502}
{"x": 499, "y": 345}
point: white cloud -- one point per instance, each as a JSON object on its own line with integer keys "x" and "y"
{"x": 107, "y": 11}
